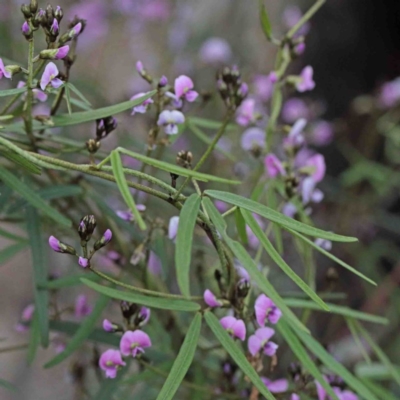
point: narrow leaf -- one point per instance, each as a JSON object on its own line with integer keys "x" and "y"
{"x": 68, "y": 281}
{"x": 78, "y": 93}
{"x": 85, "y": 329}
{"x": 241, "y": 227}
{"x": 184, "y": 240}
{"x": 182, "y": 361}
{"x": 34, "y": 339}
{"x": 236, "y": 353}
{"x": 356, "y": 337}
{"x": 12, "y": 92}
{"x": 11, "y": 251}
{"x": 21, "y": 161}
{"x": 31, "y": 197}
{"x": 265, "y": 22}
{"x": 380, "y": 391}
{"x": 275, "y": 216}
{"x": 124, "y": 188}
{"x": 68, "y": 99}
{"x": 40, "y": 272}
{"x": 251, "y": 222}
{"x": 149, "y": 301}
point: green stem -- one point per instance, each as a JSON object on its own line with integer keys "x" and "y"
{"x": 29, "y": 94}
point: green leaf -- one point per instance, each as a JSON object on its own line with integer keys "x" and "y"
{"x": 175, "y": 168}
{"x": 85, "y": 329}
{"x": 12, "y": 92}
{"x": 275, "y": 216}
{"x": 32, "y": 197}
{"x": 356, "y": 337}
{"x": 335, "y": 309}
{"x": 40, "y": 272}
{"x": 68, "y": 99}
{"x": 78, "y": 93}
{"x": 331, "y": 256}
{"x": 21, "y": 161}
{"x": 86, "y": 116}
{"x": 379, "y": 390}
{"x": 68, "y": 281}
{"x": 183, "y": 360}
{"x": 335, "y": 366}
{"x": 209, "y": 123}
{"x": 34, "y": 338}
{"x": 11, "y": 251}
{"x": 248, "y": 263}
{"x": 302, "y": 355}
{"x": 184, "y": 240}
{"x": 124, "y": 188}
{"x": 251, "y": 222}
{"x": 8, "y": 385}
{"x": 375, "y": 371}
{"x": 9, "y": 235}
{"x": 265, "y": 22}
{"x": 241, "y": 227}
{"x": 235, "y": 352}
{"x": 149, "y": 301}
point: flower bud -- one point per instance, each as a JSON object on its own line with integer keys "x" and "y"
{"x": 83, "y": 262}
{"x": 26, "y": 30}
{"x": 92, "y": 146}
{"x": 110, "y": 124}
{"x": 26, "y": 10}
{"x": 222, "y": 87}
{"x": 184, "y": 158}
{"x": 75, "y": 31}
{"x": 86, "y": 227}
{"x": 163, "y": 81}
{"x": 104, "y": 240}
{"x": 50, "y": 14}
{"x": 54, "y": 54}
{"x": 54, "y": 29}
{"x": 33, "y": 6}
{"x": 58, "y": 13}
{"x": 143, "y": 73}
{"x": 109, "y": 326}
{"x": 40, "y": 18}
{"x": 13, "y": 69}
{"x": 61, "y": 247}
{"x": 128, "y": 309}
{"x": 242, "y": 288}
{"x": 142, "y": 317}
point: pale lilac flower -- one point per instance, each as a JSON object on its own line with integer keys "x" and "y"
{"x": 317, "y": 163}
{"x": 133, "y": 343}
{"x": 266, "y": 310}
{"x": 107, "y": 236}
{"x": 278, "y": 386}
{"x": 173, "y": 227}
{"x": 215, "y": 51}
{"x": 3, "y": 71}
{"x": 54, "y": 29}
{"x": 128, "y": 215}
{"x": 294, "y": 109}
{"x": 260, "y": 341}
{"x": 300, "y": 48}
{"x": 289, "y": 209}
{"x": 154, "y": 264}
{"x": 235, "y": 327}
{"x": 50, "y": 77}
{"x": 143, "y": 316}
{"x": 295, "y": 139}
{"x": 110, "y": 361}
{"x": 210, "y": 299}
{"x": 253, "y": 138}
{"x": 324, "y": 244}
{"x": 273, "y": 166}
{"x": 221, "y": 206}
{"x": 263, "y": 87}
{"x": 140, "y": 68}
{"x": 76, "y": 30}
{"x": 169, "y": 120}
{"x": 83, "y": 262}
{"x": 321, "y": 133}
{"x": 37, "y": 93}
{"x": 163, "y": 81}
{"x": 82, "y": 307}
{"x": 141, "y": 108}
{"x": 26, "y": 317}
{"x": 62, "y": 52}
{"x": 308, "y": 191}
{"x": 245, "y": 114}
{"x": 108, "y": 326}
{"x": 295, "y": 396}
{"x": 184, "y": 88}
{"x": 305, "y": 82}
{"x": 55, "y": 244}
{"x": 389, "y": 93}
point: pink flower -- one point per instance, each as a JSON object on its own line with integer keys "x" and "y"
{"x": 300, "y": 48}
{"x": 143, "y": 316}
{"x": 322, "y": 133}
{"x": 55, "y": 244}
{"x": 340, "y": 393}
{"x": 83, "y": 262}
{"x": 253, "y": 138}
{"x": 62, "y": 52}
{"x": 260, "y": 341}
{"x": 25, "y": 28}
{"x": 82, "y": 307}
{"x": 38, "y": 94}
{"x": 305, "y": 82}
{"x": 76, "y": 30}
{"x": 140, "y": 68}
{"x": 184, "y": 88}
{"x": 245, "y": 114}
{"x": 308, "y": 191}
{"x": 317, "y": 163}
{"x": 210, "y": 299}
{"x": 173, "y": 227}
{"x": 215, "y": 51}
{"x": 26, "y": 317}
{"x": 295, "y": 139}
{"x": 110, "y": 361}
{"x": 50, "y": 77}
{"x": 133, "y": 343}
{"x": 170, "y": 120}
{"x": 107, "y": 236}
{"x": 278, "y": 386}
{"x": 266, "y": 310}
{"x": 389, "y": 94}
{"x": 108, "y": 326}
{"x": 128, "y": 215}
{"x": 141, "y": 108}
{"x": 235, "y": 327}
{"x": 273, "y": 166}
{"x": 294, "y": 109}
{"x": 3, "y": 71}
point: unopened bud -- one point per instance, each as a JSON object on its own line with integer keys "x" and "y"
{"x": 86, "y": 227}
{"x": 109, "y": 326}
{"x": 128, "y": 309}
{"x": 26, "y": 30}
{"x": 26, "y": 10}
{"x": 242, "y": 288}
{"x": 104, "y": 240}
{"x": 76, "y": 30}
{"x": 54, "y": 54}
{"x": 143, "y": 73}
{"x": 174, "y": 177}
{"x": 13, "y": 69}
{"x": 142, "y": 317}
{"x": 332, "y": 275}
{"x": 163, "y": 81}
{"x": 40, "y": 18}
{"x": 184, "y": 158}
{"x": 33, "y": 6}
{"x": 92, "y": 146}
{"x": 222, "y": 87}
{"x": 54, "y": 29}
{"x": 58, "y": 13}
{"x": 61, "y": 247}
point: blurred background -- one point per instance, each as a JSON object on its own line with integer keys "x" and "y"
{"x": 354, "y": 112}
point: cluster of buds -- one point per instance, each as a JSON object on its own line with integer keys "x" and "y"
{"x": 231, "y": 88}
{"x": 184, "y": 158}
{"x": 86, "y": 228}
{"x": 134, "y": 315}
{"x": 104, "y": 127}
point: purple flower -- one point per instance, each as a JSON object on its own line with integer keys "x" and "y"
{"x": 141, "y": 108}
{"x": 143, "y": 316}
{"x": 273, "y": 77}
{"x": 266, "y": 310}
{"x": 173, "y": 227}
{"x": 82, "y": 307}
{"x": 294, "y": 109}
{"x": 26, "y": 317}
{"x": 54, "y": 27}
{"x": 184, "y": 88}
{"x": 253, "y": 138}
{"x": 323, "y": 243}
{"x": 37, "y": 93}
{"x": 169, "y": 120}
{"x": 263, "y": 87}
{"x": 300, "y": 48}
{"x": 110, "y": 361}
{"x": 273, "y": 166}
{"x": 305, "y": 81}
{"x": 140, "y": 67}
{"x": 278, "y": 386}
{"x": 108, "y": 326}
{"x": 341, "y": 394}
{"x": 245, "y": 114}
{"x": 50, "y": 76}
{"x": 154, "y": 264}
{"x": 76, "y": 30}
{"x": 295, "y": 139}
{"x": 107, "y": 236}
{"x": 133, "y": 343}
{"x": 62, "y": 52}
{"x": 128, "y": 215}
{"x": 321, "y": 133}
{"x": 317, "y": 164}
{"x": 83, "y": 262}
{"x": 215, "y": 51}
{"x": 309, "y": 192}
{"x": 3, "y": 71}
{"x": 55, "y": 244}
{"x": 260, "y": 341}
{"x": 221, "y": 206}
{"x": 210, "y": 299}
{"x": 25, "y": 28}
{"x": 389, "y": 94}
{"x": 295, "y": 396}
{"x": 163, "y": 81}
{"x": 235, "y": 327}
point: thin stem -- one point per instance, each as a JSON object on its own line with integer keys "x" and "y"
{"x": 29, "y": 95}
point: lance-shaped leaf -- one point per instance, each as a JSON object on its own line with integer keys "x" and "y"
{"x": 241, "y": 226}
{"x": 236, "y": 353}
{"x": 183, "y": 361}
{"x": 275, "y": 216}
{"x": 265, "y": 22}
{"x": 124, "y": 188}
{"x": 184, "y": 240}
{"x": 12, "y": 92}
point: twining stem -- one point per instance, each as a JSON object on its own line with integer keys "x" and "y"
{"x": 29, "y": 94}
{"x": 209, "y": 149}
